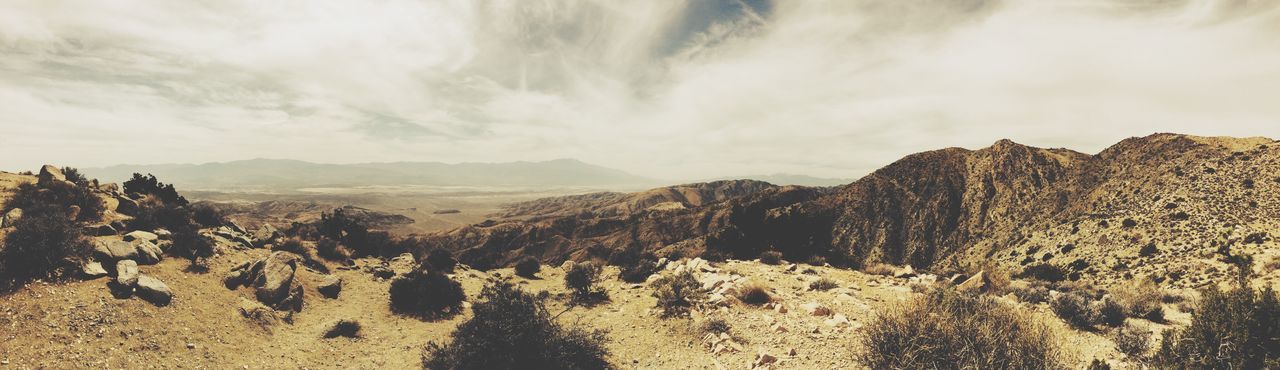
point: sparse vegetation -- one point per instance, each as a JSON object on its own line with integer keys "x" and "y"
{"x": 44, "y": 244}
{"x": 1233, "y": 329}
{"x": 1141, "y": 298}
{"x": 879, "y": 269}
{"x": 440, "y": 259}
{"x": 715, "y": 325}
{"x": 1108, "y": 312}
{"x": 1044, "y": 272}
{"x": 583, "y": 282}
{"x": 512, "y": 329}
{"x": 1073, "y": 308}
{"x": 343, "y": 328}
{"x": 149, "y": 185}
{"x": 207, "y": 215}
{"x": 948, "y": 330}
{"x": 330, "y": 249}
{"x": 425, "y": 292}
{"x": 528, "y": 267}
{"x": 771, "y": 257}
{"x": 823, "y": 284}
{"x": 1132, "y": 341}
{"x": 57, "y": 197}
{"x": 678, "y": 294}
{"x": 754, "y": 293}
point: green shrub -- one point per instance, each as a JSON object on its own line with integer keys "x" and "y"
{"x": 44, "y": 244}
{"x": 944, "y": 329}
{"x": 512, "y": 329}
{"x": 1233, "y": 329}
{"x": 528, "y": 267}
{"x": 678, "y": 294}
{"x": 426, "y": 293}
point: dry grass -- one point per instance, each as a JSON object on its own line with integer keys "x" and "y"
{"x": 1141, "y": 298}
{"x": 882, "y": 269}
{"x": 754, "y": 293}
{"x": 948, "y": 330}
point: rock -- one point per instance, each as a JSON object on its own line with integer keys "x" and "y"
{"x": 331, "y": 286}
{"x": 381, "y": 271}
{"x": 11, "y": 217}
{"x": 73, "y": 212}
{"x": 236, "y": 227}
{"x": 141, "y": 235}
{"x": 977, "y": 283}
{"x": 99, "y": 230}
{"x": 839, "y": 320}
{"x": 815, "y": 309}
{"x": 163, "y": 234}
{"x": 791, "y": 268}
{"x": 244, "y": 242}
{"x": 258, "y": 313}
{"x": 265, "y": 235}
{"x": 49, "y": 174}
{"x": 93, "y": 270}
{"x": 154, "y": 291}
{"x": 127, "y": 206}
{"x": 778, "y": 328}
{"x": 235, "y": 279}
{"x": 342, "y": 328}
{"x": 293, "y": 301}
{"x": 904, "y": 272}
{"x": 114, "y": 250}
{"x": 127, "y": 273}
{"x": 148, "y": 253}
{"x": 958, "y": 278}
{"x": 764, "y": 358}
{"x": 566, "y": 266}
{"x": 273, "y": 284}
{"x": 791, "y": 352}
{"x": 779, "y": 308}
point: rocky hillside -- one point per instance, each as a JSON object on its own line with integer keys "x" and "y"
{"x": 947, "y": 208}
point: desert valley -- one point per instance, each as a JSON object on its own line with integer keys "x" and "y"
{"x": 1095, "y": 260}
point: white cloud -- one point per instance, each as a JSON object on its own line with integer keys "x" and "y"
{"x": 662, "y": 88}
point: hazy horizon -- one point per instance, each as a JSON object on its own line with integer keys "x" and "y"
{"x": 665, "y": 90}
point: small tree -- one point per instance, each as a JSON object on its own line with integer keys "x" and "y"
{"x": 583, "y": 281}
{"x": 424, "y": 292}
{"x": 528, "y": 267}
{"x": 441, "y": 259}
{"x": 148, "y": 185}
{"x": 678, "y": 294}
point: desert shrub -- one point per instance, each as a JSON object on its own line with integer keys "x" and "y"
{"x": 44, "y": 244}
{"x": 292, "y": 245}
{"x": 678, "y": 294}
{"x": 1141, "y": 298}
{"x": 441, "y": 259}
{"x": 715, "y": 326}
{"x": 1233, "y": 329}
{"x": 528, "y": 266}
{"x": 424, "y": 292}
{"x": 1097, "y": 364}
{"x": 1034, "y": 292}
{"x": 944, "y": 329}
{"x": 148, "y": 185}
{"x": 583, "y": 282}
{"x": 1132, "y": 341}
{"x": 189, "y": 243}
{"x": 1108, "y": 312}
{"x": 1128, "y": 223}
{"x": 75, "y": 177}
{"x": 1043, "y": 272}
{"x": 816, "y": 260}
{"x": 343, "y": 328}
{"x": 1073, "y": 308}
{"x": 771, "y": 257}
{"x": 879, "y": 269}
{"x": 823, "y": 284}
{"x": 57, "y": 197}
{"x": 512, "y": 329}
{"x": 330, "y": 249}
{"x": 1148, "y": 250}
{"x": 754, "y": 293}
{"x": 638, "y": 271}
{"x": 207, "y": 215}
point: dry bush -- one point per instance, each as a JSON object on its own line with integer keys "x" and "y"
{"x": 1109, "y": 312}
{"x": 881, "y": 269}
{"x": 425, "y": 292}
{"x": 678, "y": 294}
{"x": 583, "y": 281}
{"x": 1234, "y": 329}
{"x": 512, "y": 329}
{"x": 823, "y": 283}
{"x": 44, "y": 244}
{"x": 343, "y": 328}
{"x": 1141, "y": 298}
{"x": 771, "y": 257}
{"x": 1132, "y": 341}
{"x": 754, "y": 293}
{"x": 331, "y": 250}
{"x": 945, "y": 329}
{"x": 1072, "y": 307}
{"x": 1033, "y": 292}
{"x": 528, "y": 267}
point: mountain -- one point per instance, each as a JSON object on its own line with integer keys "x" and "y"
{"x": 1009, "y": 203}
{"x": 791, "y": 179}
{"x": 292, "y": 174}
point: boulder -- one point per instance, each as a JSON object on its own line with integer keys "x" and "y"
{"x": 127, "y": 273}
{"x": 49, "y": 174}
{"x": 114, "y": 250}
{"x": 148, "y": 253}
{"x": 904, "y": 272}
{"x": 235, "y": 279}
{"x": 127, "y": 206}
{"x": 93, "y": 270}
{"x": 265, "y": 235}
{"x": 273, "y": 284}
{"x": 163, "y": 234}
{"x": 331, "y": 286}
{"x": 978, "y": 283}
{"x": 141, "y": 235}
{"x": 236, "y": 227}
{"x": 154, "y": 291}
{"x": 11, "y": 217}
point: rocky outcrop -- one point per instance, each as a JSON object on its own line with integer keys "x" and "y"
{"x": 273, "y": 279}
{"x": 50, "y": 174}
{"x": 11, "y": 217}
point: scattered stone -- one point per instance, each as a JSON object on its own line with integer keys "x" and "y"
{"x": 163, "y": 234}
{"x": 191, "y": 346}
{"x": 381, "y": 271}
{"x": 331, "y": 286}
{"x": 764, "y": 358}
{"x": 815, "y": 309}
{"x": 839, "y": 321}
{"x": 778, "y": 328}
{"x": 127, "y": 273}
{"x": 235, "y": 279}
{"x": 93, "y": 270}
{"x": 141, "y": 235}
{"x": 342, "y": 328}
{"x": 148, "y": 253}
{"x": 273, "y": 285}
{"x": 154, "y": 291}
{"x": 114, "y": 250}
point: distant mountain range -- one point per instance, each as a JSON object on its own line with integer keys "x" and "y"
{"x": 286, "y": 174}
{"x": 293, "y": 174}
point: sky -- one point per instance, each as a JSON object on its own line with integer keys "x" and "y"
{"x": 664, "y": 89}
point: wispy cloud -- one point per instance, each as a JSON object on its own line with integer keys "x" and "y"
{"x": 663, "y": 88}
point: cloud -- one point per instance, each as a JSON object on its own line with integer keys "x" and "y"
{"x": 670, "y": 89}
